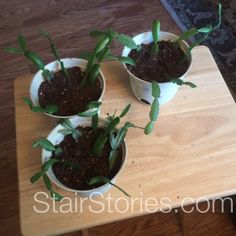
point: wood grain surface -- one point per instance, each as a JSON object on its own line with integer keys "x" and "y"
{"x": 69, "y": 21}
{"x": 190, "y": 154}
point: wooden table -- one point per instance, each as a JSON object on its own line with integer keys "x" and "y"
{"x": 191, "y": 153}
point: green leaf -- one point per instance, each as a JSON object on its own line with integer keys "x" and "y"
{"x": 98, "y": 180}
{"x": 51, "y": 109}
{"x": 110, "y": 118}
{"x": 37, "y": 109}
{"x": 76, "y": 134}
{"x": 70, "y": 129}
{"x": 35, "y": 59}
{"x": 56, "y": 196}
{"x": 205, "y": 30}
{"x": 115, "y": 142}
{"x": 127, "y": 60}
{"x": 91, "y": 61}
{"x": 154, "y": 110}
{"x": 110, "y": 57}
{"x": 94, "y": 104}
{"x": 156, "y": 25}
{"x": 112, "y": 125}
{"x": 127, "y": 41}
{"x": 52, "y": 45}
{"x": 129, "y": 125}
{"x": 124, "y": 60}
{"x": 122, "y": 133}
{"x": 112, "y": 159}
{"x": 190, "y": 84}
{"x": 149, "y": 127}
{"x": 45, "y": 144}
{"x": 21, "y": 42}
{"x": 66, "y": 123}
{"x": 103, "y": 54}
{"x": 112, "y": 33}
{"x": 196, "y": 43}
{"x": 35, "y": 177}
{"x": 36, "y": 144}
{"x": 181, "y": 82}
{"x": 99, "y": 144}
{"x": 64, "y": 70}
{"x": 58, "y": 150}
{"x": 28, "y": 102}
{"x": 95, "y": 121}
{"x": 120, "y": 136}
{"x": 125, "y": 111}
{"x": 139, "y": 48}
{"x": 47, "y": 74}
{"x": 14, "y": 50}
{"x": 49, "y": 164}
{"x": 120, "y": 189}
{"x": 155, "y": 89}
{"x": 112, "y": 140}
{"x": 55, "y": 52}
{"x": 93, "y": 73}
{"x": 99, "y": 33}
{"x": 156, "y": 34}
{"x": 191, "y": 32}
{"x": 47, "y": 182}
{"x": 101, "y": 44}
{"x": 219, "y": 16}
{"x": 88, "y": 113}
{"x": 155, "y": 48}
{"x": 194, "y": 31}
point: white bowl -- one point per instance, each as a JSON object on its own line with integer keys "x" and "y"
{"x": 142, "y": 89}
{"x": 55, "y": 66}
{"x": 55, "y": 137}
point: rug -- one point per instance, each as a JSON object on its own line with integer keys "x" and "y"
{"x": 222, "y": 43}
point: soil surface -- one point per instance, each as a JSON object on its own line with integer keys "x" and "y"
{"x": 169, "y": 63}
{"x": 89, "y": 165}
{"x": 66, "y": 92}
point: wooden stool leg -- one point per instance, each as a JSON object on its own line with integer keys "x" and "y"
{"x": 184, "y": 223}
{"x": 85, "y": 232}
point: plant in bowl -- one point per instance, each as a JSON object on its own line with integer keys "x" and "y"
{"x": 129, "y": 42}
{"x": 65, "y": 87}
{"x": 162, "y": 57}
{"x": 84, "y": 156}
{"x": 105, "y": 54}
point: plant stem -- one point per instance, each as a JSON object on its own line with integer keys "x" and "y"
{"x": 119, "y": 188}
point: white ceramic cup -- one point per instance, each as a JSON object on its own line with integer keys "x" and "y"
{"x": 55, "y": 137}
{"x": 143, "y": 89}
{"x": 55, "y": 66}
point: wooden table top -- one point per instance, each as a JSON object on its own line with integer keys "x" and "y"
{"x": 191, "y": 153}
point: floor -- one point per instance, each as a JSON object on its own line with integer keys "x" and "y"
{"x": 69, "y": 22}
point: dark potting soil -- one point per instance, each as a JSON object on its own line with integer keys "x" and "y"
{"x": 169, "y": 63}
{"x": 66, "y": 92}
{"x": 89, "y": 165}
